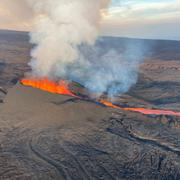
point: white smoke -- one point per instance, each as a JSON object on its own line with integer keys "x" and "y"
{"x": 61, "y": 26}
{"x": 111, "y": 67}
{"x": 64, "y": 36}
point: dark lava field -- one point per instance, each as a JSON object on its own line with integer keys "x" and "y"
{"x": 46, "y": 136}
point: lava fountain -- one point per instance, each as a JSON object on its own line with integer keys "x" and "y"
{"x": 61, "y": 87}
{"x": 45, "y": 84}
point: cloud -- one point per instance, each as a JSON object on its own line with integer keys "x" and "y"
{"x": 144, "y": 9}
{"x": 15, "y": 15}
{"x": 145, "y": 19}
{"x": 125, "y": 17}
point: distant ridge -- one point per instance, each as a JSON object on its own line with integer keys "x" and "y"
{"x": 156, "y": 49}
{"x": 7, "y": 31}
{"x": 11, "y": 36}
{"x": 134, "y": 38}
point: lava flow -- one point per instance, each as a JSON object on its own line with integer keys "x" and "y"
{"x": 142, "y": 110}
{"x": 61, "y": 87}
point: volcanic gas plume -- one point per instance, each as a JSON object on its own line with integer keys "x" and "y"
{"x": 65, "y": 35}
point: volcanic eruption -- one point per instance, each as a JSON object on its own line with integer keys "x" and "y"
{"x": 65, "y": 48}
{"x": 64, "y": 39}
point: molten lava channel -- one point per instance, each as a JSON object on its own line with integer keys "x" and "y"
{"x": 142, "y": 110}
{"x": 62, "y": 88}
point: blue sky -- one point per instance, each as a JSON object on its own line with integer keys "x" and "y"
{"x": 146, "y": 9}
{"x": 157, "y": 19}
{"x": 133, "y": 2}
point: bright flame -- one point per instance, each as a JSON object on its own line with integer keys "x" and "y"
{"x": 61, "y": 87}
{"x": 45, "y": 84}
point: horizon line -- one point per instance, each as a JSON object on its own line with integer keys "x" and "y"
{"x": 114, "y": 36}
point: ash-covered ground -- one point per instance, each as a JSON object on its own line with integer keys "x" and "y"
{"x": 49, "y": 136}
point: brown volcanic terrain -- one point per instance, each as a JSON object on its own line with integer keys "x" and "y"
{"x": 49, "y": 136}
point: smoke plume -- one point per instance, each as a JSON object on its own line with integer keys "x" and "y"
{"x": 65, "y": 37}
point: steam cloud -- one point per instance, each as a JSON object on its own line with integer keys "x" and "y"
{"x": 65, "y": 37}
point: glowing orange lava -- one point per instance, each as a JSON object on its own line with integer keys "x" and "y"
{"x": 142, "y": 110}
{"x": 61, "y": 87}
{"x": 45, "y": 84}
{"x": 109, "y": 104}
